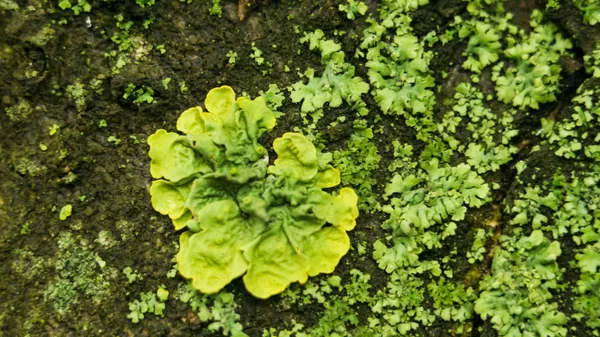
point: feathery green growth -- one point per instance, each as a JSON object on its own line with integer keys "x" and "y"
{"x": 485, "y": 34}
{"x": 592, "y": 62}
{"x": 528, "y": 208}
{"x": 423, "y": 212}
{"x": 452, "y": 300}
{"x": 139, "y": 96}
{"x": 487, "y": 133}
{"x": 19, "y": 111}
{"x": 587, "y": 304}
{"x": 148, "y": 303}
{"x": 340, "y": 317}
{"x": 353, "y": 8}
{"x": 534, "y": 73}
{"x": 337, "y": 84}
{"x": 582, "y": 130}
{"x": 77, "y": 93}
{"x": 578, "y": 212}
{"x": 357, "y": 164}
{"x": 478, "y": 247}
{"x": 399, "y": 73}
{"x": 515, "y": 297}
{"x": 391, "y": 9}
{"x": 590, "y": 10}
{"x": 77, "y": 6}
{"x": 274, "y": 98}
{"x": 243, "y": 217}
{"x": 218, "y": 309}
{"x": 399, "y": 306}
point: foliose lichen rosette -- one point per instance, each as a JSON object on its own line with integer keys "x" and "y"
{"x": 273, "y": 224}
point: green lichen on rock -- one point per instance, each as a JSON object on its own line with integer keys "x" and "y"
{"x": 80, "y": 274}
{"x": 244, "y": 217}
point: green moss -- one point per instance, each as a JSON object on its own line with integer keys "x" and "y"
{"x": 77, "y": 93}
{"x": 132, "y": 275}
{"x": 357, "y": 164}
{"x": 148, "y": 304}
{"x": 577, "y": 134}
{"x": 28, "y": 265}
{"x": 517, "y": 295}
{"x": 25, "y": 166}
{"x": 535, "y": 77}
{"x": 590, "y": 10}
{"x": 9, "y": 5}
{"x": 19, "y": 112}
{"x": 336, "y": 84}
{"x": 423, "y": 211}
{"x": 353, "y": 9}
{"x": 452, "y": 300}
{"x": 219, "y": 310}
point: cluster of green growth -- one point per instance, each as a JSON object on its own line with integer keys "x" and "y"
{"x": 580, "y": 132}
{"x": 400, "y": 306}
{"x": 452, "y": 300}
{"x": 132, "y": 275}
{"x": 423, "y": 211}
{"x": 130, "y": 46}
{"x": 528, "y": 207}
{"x": 398, "y": 67}
{"x": 590, "y": 10}
{"x": 357, "y": 164}
{"x": 353, "y": 9}
{"x": 517, "y": 295}
{"x": 215, "y": 9}
{"x": 488, "y": 134}
{"x": 274, "y": 98}
{"x": 533, "y": 75}
{"x": 19, "y": 111}
{"x": 148, "y": 303}
{"x": 145, "y": 3}
{"x": 28, "y": 167}
{"x": 80, "y": 273}
{"x": 244, "y": 217}
{"x": 27, "y": 265}
{"x": 485, "y": 39}
{"x": 478, "y": 246}
{"x": 257, "y": 55}
{"x": 592, "y": 62}
{"x": 139, "y": 96}
{"x": 579, "y": 216}
{"x": 336, "y": 85}
{"x": 77, "y": 6}
{"x": 218, "y": 310}
{"x": 9, "y": 5}
{"x": 340, "y": 317}
{"x": 587, "y": 304}
{"x": 580, "y": 201}
{"x": 77, "y": 93}
{"x": 533, "y": 69}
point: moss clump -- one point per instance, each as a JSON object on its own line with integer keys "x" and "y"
{"x": 20, "y": 111}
